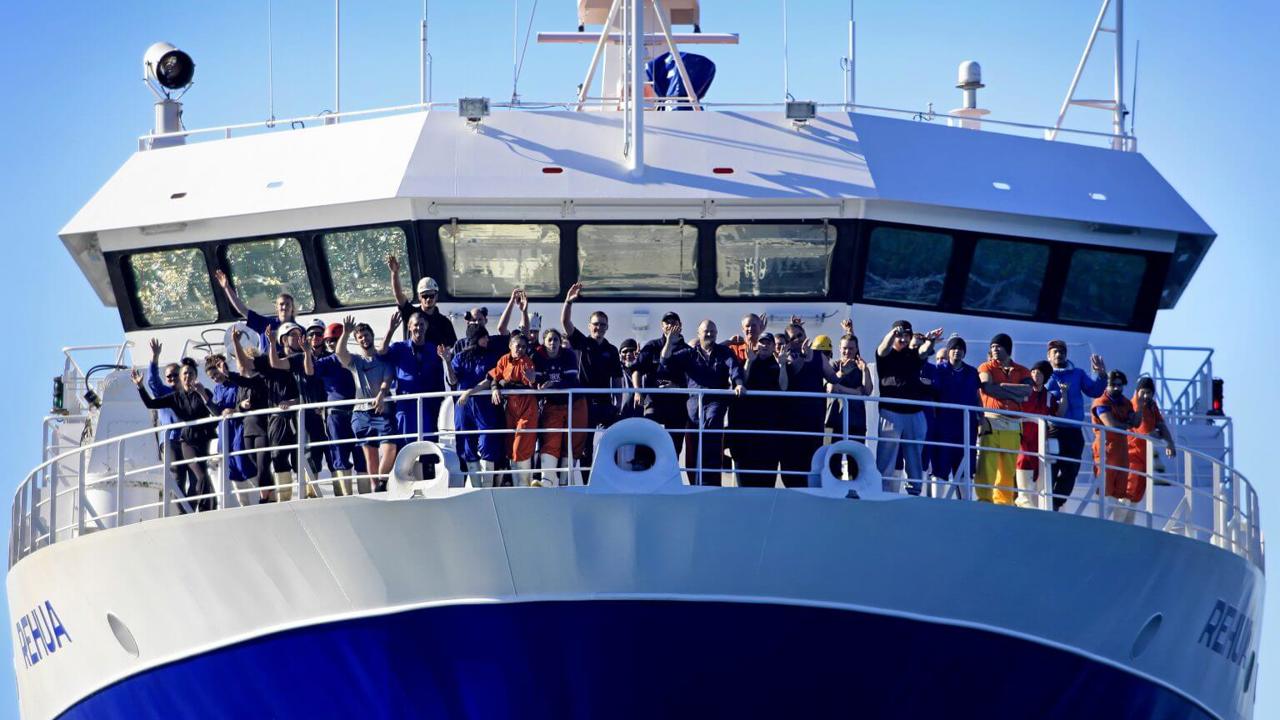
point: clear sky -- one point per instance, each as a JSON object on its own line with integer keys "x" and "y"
{"x": 73, "y": 107}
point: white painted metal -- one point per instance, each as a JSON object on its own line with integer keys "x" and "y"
{"x": 1115, "y": 105}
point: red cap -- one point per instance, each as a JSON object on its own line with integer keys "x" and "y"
{"x": 333, "y": 331}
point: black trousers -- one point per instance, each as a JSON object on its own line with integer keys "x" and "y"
{"x": 758, "y": 451}
{"x": 1070, "y": 445}
{"x": 197, "y": 481}
{"x": 261, "y": 459}
{"x": 601, "y": 413}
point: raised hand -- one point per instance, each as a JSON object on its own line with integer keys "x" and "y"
{"x": 444, "y": 352}
{"x": 155, "y": 349}
{"x": 348, "y": 324}
{"x": 223, "y": 281}
{"x": 934, "y": 334}
{"x": 395, "y": 320}
{"x": 847, "y": 326}
{"x": 797, "y": 320}
{"x": 522, "y": 300}
{"x": 136, "y": 377}
{"x": 393, "y": 264}
{"x": 1098, "y": 365}
{"x": 575, "y": 292}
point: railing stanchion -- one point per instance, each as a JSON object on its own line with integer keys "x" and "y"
{"x": 1101, "y": 477}
{"x": 966, "y": 472}
{"x": 698, "y": 427}
{"x": 301, "y": 463}
{"x": 33, "y": 501}
{"x": 224, "y": 451}
{"x": 1042, "y": 443}
{"x": 119, "y": 483}
{"x": 418, "y": 418}
{"x": 53, "y": 503}
{"x": 1149, "y": 480}
{"x": 1189, "y": 493}
{"x": 568, "y": 447}
{"x": 844, "y": 432}
{"x": 80, "y": 495}
{"x": 1233, "y": 521}
{"x": 1219, "y": 510}
{"x": 166, "y": 469}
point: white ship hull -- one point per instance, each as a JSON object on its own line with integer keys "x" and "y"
{"x": 543, "y": 603}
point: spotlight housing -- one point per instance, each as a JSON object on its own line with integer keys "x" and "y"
{"x": 168, "y": 67}
{"x": 473, "y": 109}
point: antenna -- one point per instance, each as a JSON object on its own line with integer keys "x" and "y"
{"x": 1133, "y": 104}
{"x": 1116, "y": 104}
{"x": 847, "y": 63}
{"x": 271, "y": 92}
{"x": 786, "y": 62}
{"x": 337, "y": 59}
{"x": 424, "y": 61}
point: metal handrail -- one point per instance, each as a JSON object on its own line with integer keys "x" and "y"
{"x": 1235, "y": 512}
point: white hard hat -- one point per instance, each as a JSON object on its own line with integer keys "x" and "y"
{"x": 428, "y": 285}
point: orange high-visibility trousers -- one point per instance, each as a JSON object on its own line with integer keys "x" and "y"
{"x": 1136, "y": 483}
{"x": 557, "y": 416}
{"x": 1116, "y": 456}
{"x": 522, "y": 416}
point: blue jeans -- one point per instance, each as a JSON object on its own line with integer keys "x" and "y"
{"x": 895, "y": 428}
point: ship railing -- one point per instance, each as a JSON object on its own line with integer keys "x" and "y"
{"x": 1124, "y": 141}
{"x": 1181, "y": 396}
{"x": 1191, "y": 494}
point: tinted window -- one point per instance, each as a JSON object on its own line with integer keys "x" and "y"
{"x": 1006, "y": 277}
{"x": 907, "y": 266}
{"x": 493, "y": 260}
{"x": 357, "y": 263}
{"x": 638, "y": 259}
{"x": 774, "y": 260}
{"x": 1102, "y": 287}
{"x": 262, "y": 269}
{"x": 173, "y": 287}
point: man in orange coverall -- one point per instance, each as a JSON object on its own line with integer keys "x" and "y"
{"x": 1151, "y": 422}
{"x": 1113, "y": 410}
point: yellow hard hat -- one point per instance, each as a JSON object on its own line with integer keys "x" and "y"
{"x": 822, "y": 342}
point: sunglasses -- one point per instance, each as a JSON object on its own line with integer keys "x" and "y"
{"x": 427, "y": 296}
{"x": 171, "y": 376}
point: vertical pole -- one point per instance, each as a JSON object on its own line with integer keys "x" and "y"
{"x": 786, "y": 63}
{"x": 1219, "y": 509}
{"x": 422, "y": 56}
{"x": 1233, "y": 525}
{"x": 80, "y": 496}
{"x": 636, "y": 110}
{"x": 1042, "y": 447}
{"x": 301, "y": 463}
{"x": 1117, "y": 119}
{"x": 849, "y": 98}
{"x": 337, "y": 58}
{"x": 699, "y": 429}
{"x": 568, "y": 476}
{"x": 1189, "y": 490}
{"x": 166, "y": 468}
{"x": 844, "y": 431}
{"x": 966, "y": 473}
{"x": 1150, "y": 491}
{"x": 53, "y": 503}
{"x": 271, "y": 92}
{"x": 419, "y": 419}
{"x": 224, "y": 449}
{"x": 119, "y": 484}
{"x": 1102, "y": 474}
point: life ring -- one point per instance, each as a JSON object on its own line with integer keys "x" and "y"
{"x": 608, "y": 477}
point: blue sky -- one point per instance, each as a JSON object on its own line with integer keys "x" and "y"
{"x": 74, "y": 106}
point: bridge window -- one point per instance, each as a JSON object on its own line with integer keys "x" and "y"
{"x": 774, "y": 260}
{"x": 1102, "y": 287}
{"x": 173, "y": 287}
{"x": 490, "y": 261}
{"x": 357, "y": 262}
{"x": 262, "y": 269}
{"x": 1006, "y": 277}
{"x": 907, "y": 266}
{"x": 638, "y": 260}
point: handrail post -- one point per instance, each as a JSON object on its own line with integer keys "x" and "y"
{"x": 1219, "y": 510}
{"x": 1102, "y": 473}
{"x": 418, "y": 418}
{"x": 1150, "y": 483}
{"x": 80, "y": 496}
{"x": 966, "y": 472}
{"x": 1234, "y": 517}
{"x": 166, "y": 463}
{"x": 1188, "y": 488}
{"x": 33, "y": 498}
{"x": 224, "y": 450}
{"x": 301, "y": 464}
{"x": 1042, "y": 442}
{"x": 119, "y": 483}
{"x": 699, "y": 428}
{"x": 844, "y": 431}
{"x": 53, "y": 503}
{"x": 568, "y": 447}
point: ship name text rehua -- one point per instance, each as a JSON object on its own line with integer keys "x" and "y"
{"x": 1227, "y": 632}
{"x": 40, "y": 633}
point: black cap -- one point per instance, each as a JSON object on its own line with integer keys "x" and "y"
{"x": 902, "y": 326}
{"x": 1117, "y": 376}
{"x": 476, "y": 331}
{"x": 670, "y": 317}
{"x": 1003, "y": 341}
{"x": 1044, "y": 367}
{"x": 629, "y": 344}
{"x": 1059, "y": 344}
{"x": 955, "y": 342}
{"x": 1146, "y": 383}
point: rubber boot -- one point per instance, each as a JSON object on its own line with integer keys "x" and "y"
{"x": 283, "y": 491}
{"x": 341, "y": 486}
{"x": 311, "y": 485}
{"x": 550, "y": 478}
{"x": 1027, "y": 487}
{"x": 520, "y": 472}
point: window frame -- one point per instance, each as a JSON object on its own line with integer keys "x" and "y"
{"x": 430, "y": 247}
{"x": 308, "y": 267}
{"x": 709, "y": 270}
{"x": 1142, "y": 298}
{"x": 1036, "y": 311}
{"x": 120, "y": 272}
{"x": 411, "y": 263}
{"x": 575, "y": 274}
{"x": 961, "y": 253}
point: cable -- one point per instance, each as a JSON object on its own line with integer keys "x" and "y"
{"x": 515, "y": 82}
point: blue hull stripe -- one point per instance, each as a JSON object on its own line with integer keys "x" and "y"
{"x": 635, "y": 659}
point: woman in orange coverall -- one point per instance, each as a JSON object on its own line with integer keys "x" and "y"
{"x": 1113, "y": 410}
{"x": 1151, "y": 422}
{"x": 515, "y": 371}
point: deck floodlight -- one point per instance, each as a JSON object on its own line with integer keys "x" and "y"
{"x": 801, "y": 111}
{"x": 168, "y": 67}
{"x": 473, "y": 109}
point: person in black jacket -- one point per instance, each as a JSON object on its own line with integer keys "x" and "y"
{"x": 189, "y": 401}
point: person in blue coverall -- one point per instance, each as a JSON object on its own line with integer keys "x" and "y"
{"x": 419, "y": 366}
{"x": 955, "y": 382}
{"x": 285, "y": 308}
